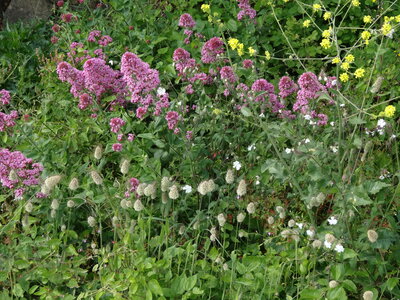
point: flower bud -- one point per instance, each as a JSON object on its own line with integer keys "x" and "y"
{"x": 240, "y": 217}
{"x": 173, "y": 192}
{"x": 270, "y": 220}
{"x": 98, "y": 152}
{"x": 368, "y": 295}
{"x": 73, "y": 184}
{"x": 330, "y": 238}
{"x": 251, "y": 208}
{"x": 29, "y": 207}
{"x": 55, "y": 204}
{"x": 165, "y": 184}
{"x": 125, "y": 166}
{"x": 317, "y": 244}
{"x": 372, "y": 235}
{"x": 377, "y": 85}
{"x": 333, "y": 283}
{"x": 242, "y": 188}
{"x": 138, "y": 206}
{"x": 164, "y": 198}
{"x": 221, "y": 220}
{"x": 70, "y": 203}
{"x": 52, "y": 181}
{"x": 91, "y": 221}
{"x": 96, "y": 177}
{"x": 291, "y": 223}
{"x": 230, "y": 177}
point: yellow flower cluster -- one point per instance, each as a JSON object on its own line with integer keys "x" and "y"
{"x": 366, "y": 35}
{"x": 386, "y": 28}
{"x": 388, "y": 112}
{"x": 235, "y": 45}
{"x": 327, "y": 15}
{"x": 349, "y": 58}
{"x": 345, "y": 66}
{"x": 360, "y": 72}
{"x": 355, "y": 3}
{"x": 325, "y": 43}
{"x": 306, "y": 23}
{"x": 344, "y": 77}
{"x": 267, "y": 55}
{"x": 367, "y": 19}
{"x": 317, "y": 7}
{"x": 205, "y": 8}
{"x": 252, "y": 51}
{"x": 326, "y": 33}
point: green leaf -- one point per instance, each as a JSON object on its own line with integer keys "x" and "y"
{"x": 349, "y": 285}
{"x": 357, "y": 121}
{"x": 375, "y": 187}
{"x": 155, "y": 287}
{"x": 231, "y": 25}
{"x": 309, "y": 294}
{"x": 349, "y": 253}
{"x": 337, "y": 294}
{"x": 391, "y": 283}
{"x": 18, "y": 291}
{"x": 246, "y": 112}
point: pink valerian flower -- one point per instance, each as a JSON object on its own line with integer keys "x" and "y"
{"x": 202, "y": 77}
{"x": 228, "y": 74}
{"x": 189, "y": 89}
{"x": 172, "y": 118}
{"x": 100, "y": 54}
{"x": 5, "y": 97}
{"x": 247, "y": 63}
{"x": 227, "y": 92}
{"x": 54, "y": 39}
{"x": 189, "y": 135}
{"x": 27, "y": 173}
{"x": 120, "y": 137}
{"x": 309, "y": 86}
{"x": 130, "y": 137}
{"x": 138, "y": 76}
{"x": 7, "y": 120}
{"x": 67, "y": 18}
{"x": 186, "y": 21}
{"x": 211, "y": 50}
{"x": 177, "y": 130}
{"x": 60, "y": 3}
{"x": 133, "y": 184}
{"x": 116, "y": 124}
{"x": 40, "y": 195}
{"x": 117, "y": 147}
{"x": 246, "y": 10}
{"x": 105, "y": 40}
{"x": 162, "y": 103}
{"x": 322, "y": 118}
{"x": 93, "y": 116}
{"x": 93, "y": 35}
{"x": 332, "y": 83}
{"x": 85, "y": 100}
{"x": 73, "y": 76}
{"x": 55, "y": 28}
{"x": 287, "y": 87}
{"x": 141, "y": 111}
{"x": 183, "y": 63}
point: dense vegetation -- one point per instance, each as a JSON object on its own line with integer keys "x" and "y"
{"x": 201, "y": 150}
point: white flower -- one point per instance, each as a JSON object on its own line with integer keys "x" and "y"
{"x": 306, "y": 141}
{"x": 393, "y": 136}
{"x": 251, "y": 208}
{"x": 240, "y": 217}
{"x": 288, "y": 150}
{"x": 160, "y": 91}
{"x": 312, "y": 122}
{"x": 138, "y": 206}
{"x": 237, "y": 165}
{"x": 300, "y": 225}
{"x": 251, "y": 147}
{"x": 221, "y": 220}
{"x": 111, "y": 62}
{"x": 381, "y": 123}
{"x": 334, "y": 149}
{"x": 327, "y": 244}
{"x": 310, "y": 233}
{"x": 339, "y": 248}
{"x": 390, "y": 34}
{"x": 262, "y": 115}
{"x": 187, "y": 188}
{"x": 334, "y": 82}
{"x": 332, "y": 221}
{"x": 342, "y": 105}
{"x": 307, "y": 117}
{"x": 332, "y": 123}
{"x": 257, "y": 180}
{"x": 381, "y": 177}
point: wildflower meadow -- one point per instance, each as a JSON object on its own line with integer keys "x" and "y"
{"x": 187, "y": 149}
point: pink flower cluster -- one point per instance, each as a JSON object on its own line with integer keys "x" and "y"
{"x": 186, "y": 21}
{"x": 211, "y": 50}
{"x": 287, "y": 87}
{"x": 183, "y": 63}
{"x": 245, "y": 10}
{"x": 17, "y": 171}
{"x": 309, "y": 87}
{"x": 5, "y": 97}
{"x": 172, "y": 118}
{"x": 228, "y": 74}
{"x": 116, "y": 124}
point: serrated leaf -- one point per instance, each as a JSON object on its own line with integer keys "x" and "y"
{"x": 246, "y": 112}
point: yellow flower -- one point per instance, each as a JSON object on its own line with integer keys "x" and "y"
{"x": 327, "y": 15}
{"x": 349, "y": 58}
{"x": 345, "y": 66}
{"x": 389, "y": 111}
{"x": 336, "y": 60}
{"x": 217, "y": 111}
{"x": 306, "y": 23}
{"x": 252, "y": 51}
{"x": 359, "y": 73}
{"x": 397, "y": 18}
{"x": 367, "y": 19}
{"x": 233, "y": 43}
{"x": 386, "y": 28}
{"x": 210, "y": 19}
{"x": 365, "y": 35}
{"x": 326, "y": 33}
{"x": 325, "y": 43}
{"x": 267, "y": 55}
{"x": 344, "y": 77}
{"x": 205, "y": 8}
{"x": 240, "y": 49}
{"x": 355, "y": 3}
{"x": 316, "y": 7}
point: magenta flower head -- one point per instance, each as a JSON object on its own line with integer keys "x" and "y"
{"x": 261, "y": 85}
{"x": 4, "y": 97}
{"x": 287, "y": 87}
{"x": 186, "y": 21}
{"x": 247, "y": 63}
{"x": 172, "y": 118}
{"x": 309, "y": 81}
{"x": 117, "y": 147}
{"x": 228, "y": 74}
{"x": 55, "y": 28}
{"x": 211, "y": 49}
{"x": 67, "y": 18}
{"x": 180, "y": 54}
{"x": 116, "y": 124}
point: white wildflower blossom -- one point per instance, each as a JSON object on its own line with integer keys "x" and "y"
{"x": 29, "y": 207}
{"x": 251, "y": 147}
{"x": 291, "y": 223}
{"x": 240, "y": 217}
{"x": 221, "y": 219}
{"x": 52, "y": 181}
{"x": 173, "y": 192}
{"x": 55, "y": 204}
{"x": 317, "y": 244}
{"x": 161, "y": 91}
{"x": 125, "y": 166}
{"x": 140, "y": 189}
{"x": 251, "y": 208}
{"x": 381, "y": 123}
{"x": 70, "y": 203}
{"x": 270, "y": 220}
{"x": 333, "y": 283}
{"x": 138, "y": 205}
{"x": 327, "y": 244}
{"x": 187, "y": 188}
{"x": 96, "y": 178}
{"x": 98, "y": 152}
{"x": 368, "y": 295}
{"x": 372, "y": 235}
{"x": 332, "y": 220}
{"x": 165, "y": 184}
{"x": 149, "y": 190}
{"x": 339, "y": 248}
{"x": 229, "y": 177}
{"x": 73, "y": 184}
{"x": 237, "y": 165}
{"x": 242, "y": 188}
{"x": 91, "y": 221}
